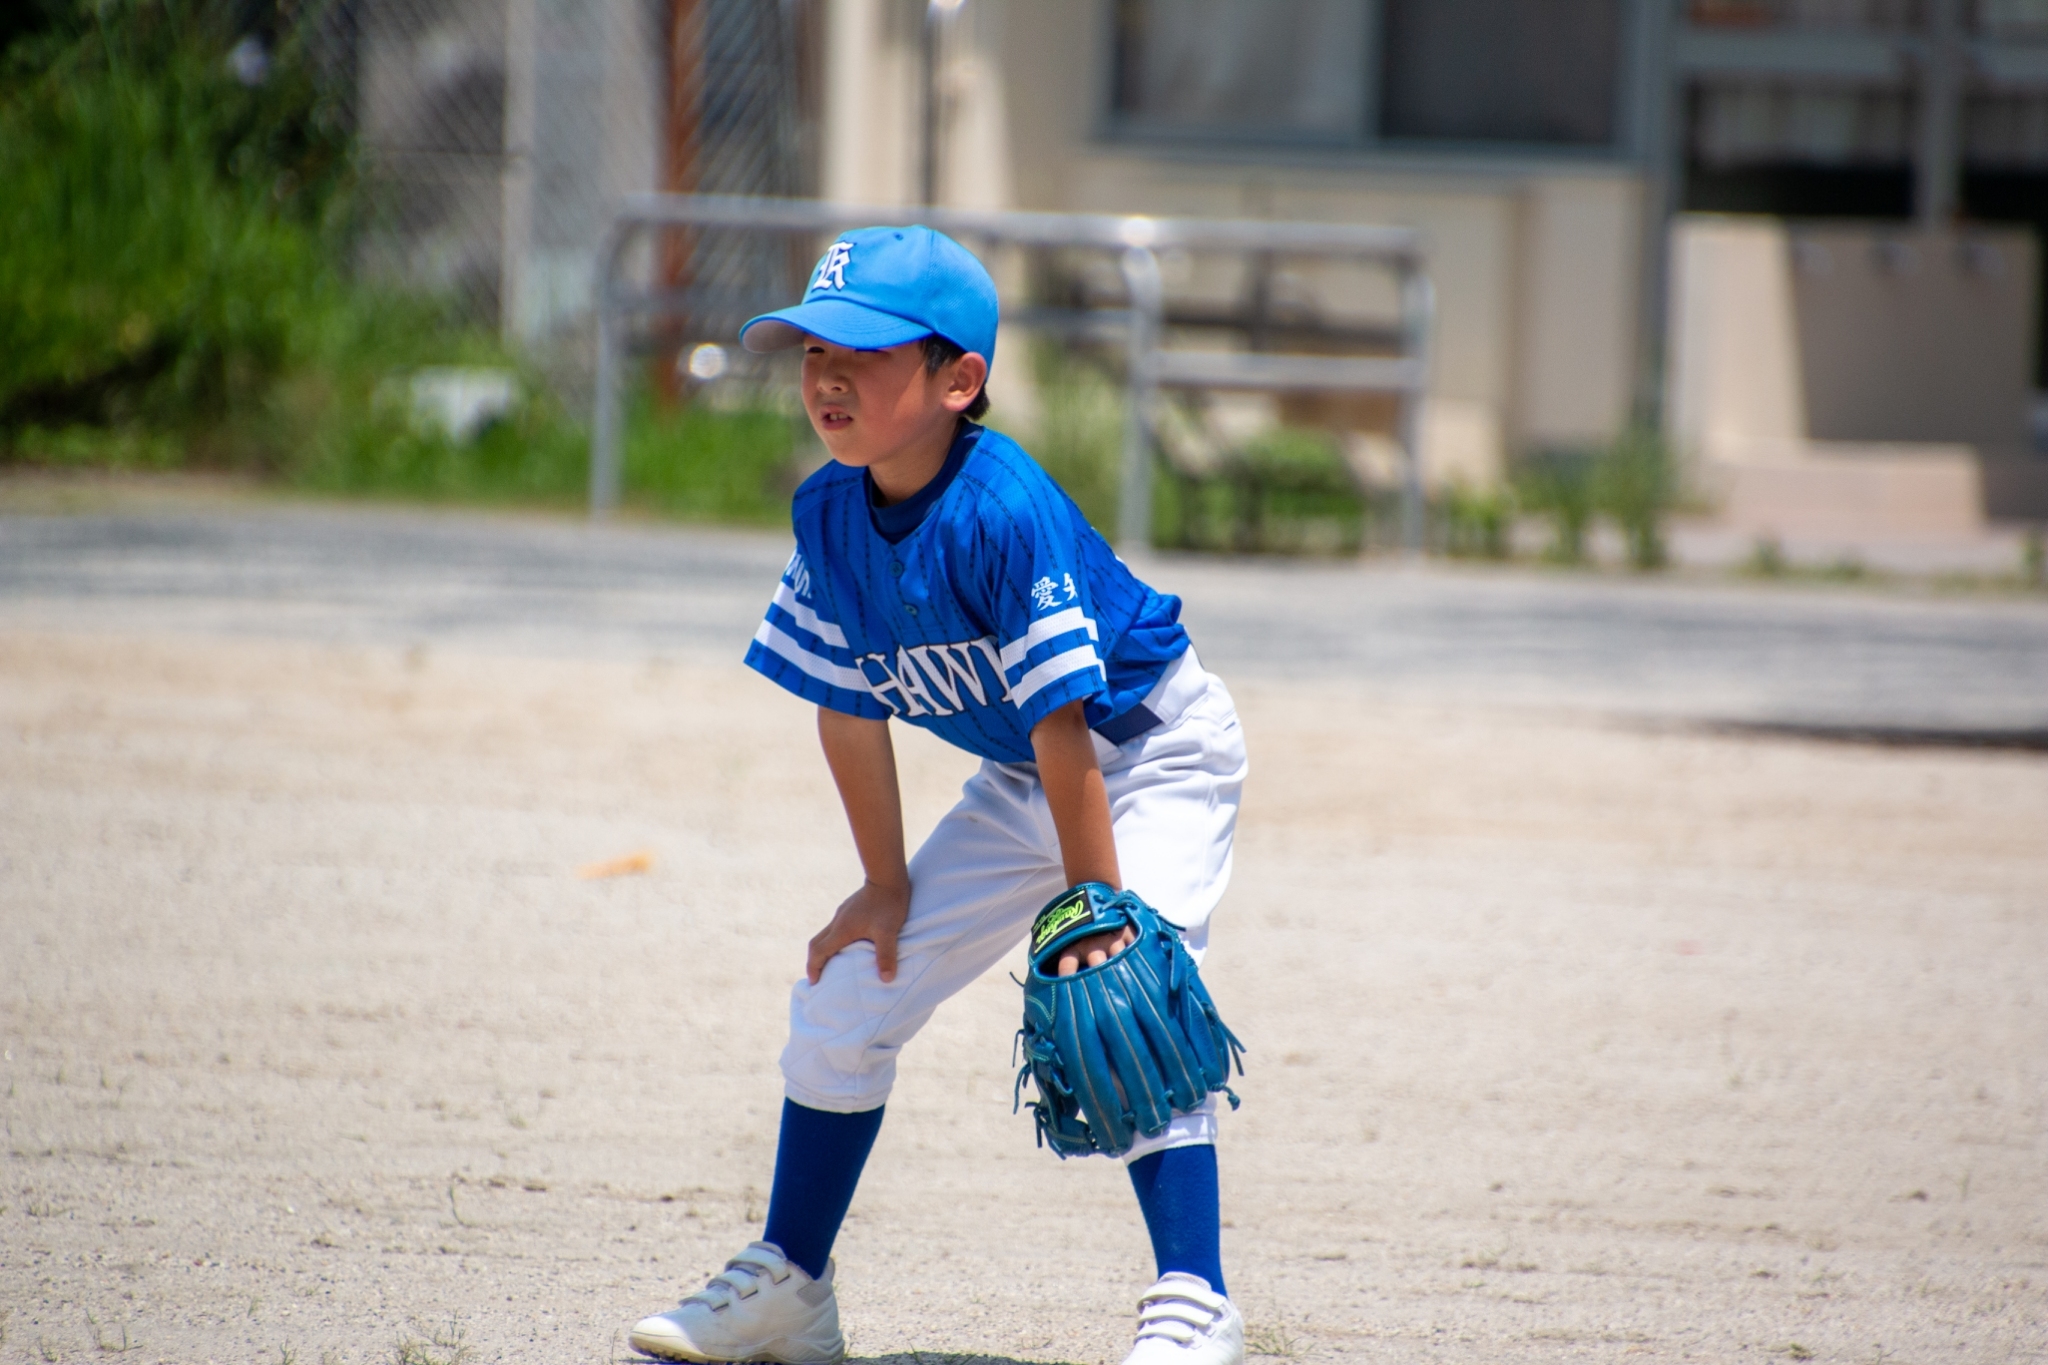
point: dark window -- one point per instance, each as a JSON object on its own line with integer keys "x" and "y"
{"x": 1762, "y": 146}
{"x": 1800, "y": 191}
{"x": 2006, "y": 130}
{"x": 1242, "y": 67}
{"x": 2023, "y": 21}
{"x": 2005, "y": 170}
{"x": 1527, "y": 71}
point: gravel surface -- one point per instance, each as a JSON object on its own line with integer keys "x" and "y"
{"x": 1574, "y": 1037}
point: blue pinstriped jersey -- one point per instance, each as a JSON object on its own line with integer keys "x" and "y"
{"x": 999, "y": 606}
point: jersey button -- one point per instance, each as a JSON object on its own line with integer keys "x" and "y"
{"x": 896, "y": 567}
{"x": 911, "y": 609}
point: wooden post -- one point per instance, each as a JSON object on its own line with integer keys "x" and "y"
{"x": 681, "y": 146}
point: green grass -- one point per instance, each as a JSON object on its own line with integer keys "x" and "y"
{"x": 1767, "y": 560}
{"x": 695, "y": 463}
{"x": 168, "y": 231}
{"x": 1632, "y": 481}
{"x": 1285, "y": 492}
{"x": 122, "y": 449}
{"x": 172, "y": 296}
{"x": 707, "y": 464}
{"x": 1474, "y": 524}
{"x": 1078, "y": 437}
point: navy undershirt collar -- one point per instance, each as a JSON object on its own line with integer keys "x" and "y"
{"x": 898, "y": 520}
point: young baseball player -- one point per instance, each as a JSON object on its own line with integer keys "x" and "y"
{"x": 941, "y": 578}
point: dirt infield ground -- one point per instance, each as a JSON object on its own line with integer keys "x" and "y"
{"x": 1570, "y": 1040}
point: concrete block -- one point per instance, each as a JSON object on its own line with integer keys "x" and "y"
{"x": 1854, "y": 491}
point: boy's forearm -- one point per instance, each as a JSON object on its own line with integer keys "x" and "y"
{"x": 863, "y": 763}
{"x": 1079, "y": 798}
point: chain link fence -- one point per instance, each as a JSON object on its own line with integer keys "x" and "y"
{"x": 741, "y": 119}
{"x": 495, "y": 136}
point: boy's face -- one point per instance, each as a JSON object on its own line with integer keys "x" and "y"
{"x": 871, "y": 406}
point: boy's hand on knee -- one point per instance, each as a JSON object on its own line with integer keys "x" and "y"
{"x": 874, "y": 914}
{"x": 1093, "y": 950}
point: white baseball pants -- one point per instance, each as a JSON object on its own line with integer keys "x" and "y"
{"x": 994, "y": 861}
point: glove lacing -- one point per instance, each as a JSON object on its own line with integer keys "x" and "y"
{"x": 741, "y": 1279}
{"x": 1179, "y": 1311}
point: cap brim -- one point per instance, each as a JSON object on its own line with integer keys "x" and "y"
{"x": 839, "y": 321}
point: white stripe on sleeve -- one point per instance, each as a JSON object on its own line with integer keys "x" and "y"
{"x": 1052, "y": 670}
{"x": 1046, "y": 628}
{"x": 779, "y": 642}
{"x": 808, "y": 619}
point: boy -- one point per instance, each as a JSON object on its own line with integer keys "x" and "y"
{"x": 941, "y": 578}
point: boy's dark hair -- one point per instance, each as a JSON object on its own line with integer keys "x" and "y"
{"x": 938, "y": 354}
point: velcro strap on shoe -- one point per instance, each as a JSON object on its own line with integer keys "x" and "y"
{"x": 1191, "y": 1314}
{"x": 762, "y": 1262}
{"x": 742, "y": 1277}
{"x": 1172, "y": 1292}
{"x": 1179, "y": 1310}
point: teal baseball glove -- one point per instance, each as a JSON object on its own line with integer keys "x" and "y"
{"x": 1116, "y": 1050}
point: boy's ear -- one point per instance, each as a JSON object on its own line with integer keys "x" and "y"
{"x": 964, "y": 379}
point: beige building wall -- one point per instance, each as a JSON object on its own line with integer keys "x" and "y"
{"x": 868, "y": 142}
{"x": 1733, "y": 391}
{"x": 1836, "y": 381}
{"x": 1575, "y": 342}
{"x": 1535, "y": 266}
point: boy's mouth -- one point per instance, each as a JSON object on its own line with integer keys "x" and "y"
{"x": 834, "y": 419}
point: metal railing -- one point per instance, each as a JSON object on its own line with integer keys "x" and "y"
{"x": 1150, "y": 363}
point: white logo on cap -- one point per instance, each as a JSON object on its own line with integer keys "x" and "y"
{"x": 832, "y": 270}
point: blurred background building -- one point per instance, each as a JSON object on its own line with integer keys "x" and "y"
{"x": 1801, "y": 236}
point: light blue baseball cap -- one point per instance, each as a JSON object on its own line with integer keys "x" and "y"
{"x": 882, "y": 286}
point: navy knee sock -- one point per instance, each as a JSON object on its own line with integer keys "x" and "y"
{"x": 818, "y": 1160}
{"x": 1177, "y": 1190}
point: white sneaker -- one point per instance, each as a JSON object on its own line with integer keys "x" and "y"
{"x": 1181, "y": 1321}
{"x": 760, "y": 1307}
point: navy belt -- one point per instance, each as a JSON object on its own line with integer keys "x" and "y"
{"x": 1128, "y": 726}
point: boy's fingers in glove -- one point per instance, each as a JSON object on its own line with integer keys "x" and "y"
{"x": 1093, "y": 950}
